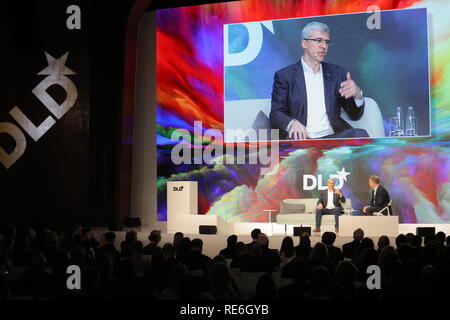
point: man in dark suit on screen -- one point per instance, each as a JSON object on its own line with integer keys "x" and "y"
{"x": 329, "y": 203}
{"x": 307, "y": 96}
{"x": 379, "y": 199}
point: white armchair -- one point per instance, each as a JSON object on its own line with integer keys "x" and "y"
{"x": 371, "y": 120}
{"x": 387, "y": 209}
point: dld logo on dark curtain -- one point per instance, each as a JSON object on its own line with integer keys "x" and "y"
{"x": 56, "y": 73}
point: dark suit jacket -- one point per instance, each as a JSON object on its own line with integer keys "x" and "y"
{"x": 194, "y": 260}
{"x": 228, "y": 253}
{"x": 151, "y": 249}
{"x": 381, "y": 198}
{"x": 271, "y": 257}
{"x": 323, "y": 199}
{"x": 350, "y": 250}
{"x": 289, "y": 100}
{"x": 335, "y": 254}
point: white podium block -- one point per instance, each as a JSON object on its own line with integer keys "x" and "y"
{"x": 182, "y": 197}
{"x": 182, "y": 210}
{"x": 371, "y": 225}
{"x": 182, "y": 200}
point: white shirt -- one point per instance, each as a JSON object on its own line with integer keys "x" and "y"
{"x": 375, "y": 191}
{"x": 317, "y": 123}
{"x": 330, "y": 203}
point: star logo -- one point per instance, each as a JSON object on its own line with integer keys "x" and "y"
{"x": 56, "y": 67}
{"x": 343, "y": 174}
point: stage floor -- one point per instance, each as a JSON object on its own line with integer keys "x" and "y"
{"x": 212, "y": 244}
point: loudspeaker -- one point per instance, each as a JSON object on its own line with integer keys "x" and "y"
{"x": 133, "y": 222}
{"x": 207, "y": 229}
{"x": 299, "y": 230}
{"x": 425, "y": 231}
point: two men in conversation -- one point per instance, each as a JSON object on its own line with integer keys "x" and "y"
{"x": 330, "y": 202}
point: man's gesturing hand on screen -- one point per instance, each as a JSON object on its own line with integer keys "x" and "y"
{"x": 297, "y": 131}
{"x": 350, "y": 89}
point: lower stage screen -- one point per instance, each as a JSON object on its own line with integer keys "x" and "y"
{"x": 216, "y": 97}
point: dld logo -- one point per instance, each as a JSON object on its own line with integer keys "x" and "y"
{"x": 311, "y": 182}
{"x": 56, "y": 73}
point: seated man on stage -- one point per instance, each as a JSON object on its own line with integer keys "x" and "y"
{"x": 380, "y": 198}
{"x": 329, "y": 203}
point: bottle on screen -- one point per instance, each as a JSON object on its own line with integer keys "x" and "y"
{"x": 399, "y": 116}
{"x": 410, "y": 128}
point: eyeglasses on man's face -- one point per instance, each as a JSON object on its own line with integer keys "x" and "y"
{"x": 320, "y": 41}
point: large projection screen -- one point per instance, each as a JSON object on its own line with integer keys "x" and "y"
{"x": 200, "y": 92}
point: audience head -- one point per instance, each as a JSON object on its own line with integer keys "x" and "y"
{"x": 155, "y": 236}
{"x": 131, "y": 236}
{"x": 263, "y": 240}
{"x": 447, "y": 241}
{"x": 241, "y": 249}
{"x": 417, "y": 241}
{"x": 287, "y": 247}
{"x": 328, "y": 238}
{"x": 383, "y": 242}
{"x": 304, "y": 248}
{"x": 440, "y": 237}
{"x": 218, "y": 259}
{"x": 185, "y": 245}
{"x": 197, "y": 245}
{"x": 429, "y": 279}
{"x": 177, "y": 237}
{"x": 409, "y": 237}
{"x": 265, "y": 288}
{"x": 255, "y": 233}
{"x": 388, "y": 252}
{"x": 108, "y": 237}
{"x": 232, "y": 241}
{"x": 346, "y": 274}
{"x": 358, "y": 234}
{"x": 320, "y": 281}
{"x": 367, "y": 243}
{"x": 401, "y": 238}
{"x": 305, "y": 241}
{"x": 319, "y": 254}
{"x": 168, "y": 251}
{"x": 219, "y": 279}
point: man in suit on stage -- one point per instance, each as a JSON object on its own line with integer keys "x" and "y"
{"x": 329, "y": 203}
{"x": 307, "y": 96}
{"x": 380, "y": 198}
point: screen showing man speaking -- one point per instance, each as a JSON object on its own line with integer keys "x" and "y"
{"x": 329, "y": 77}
